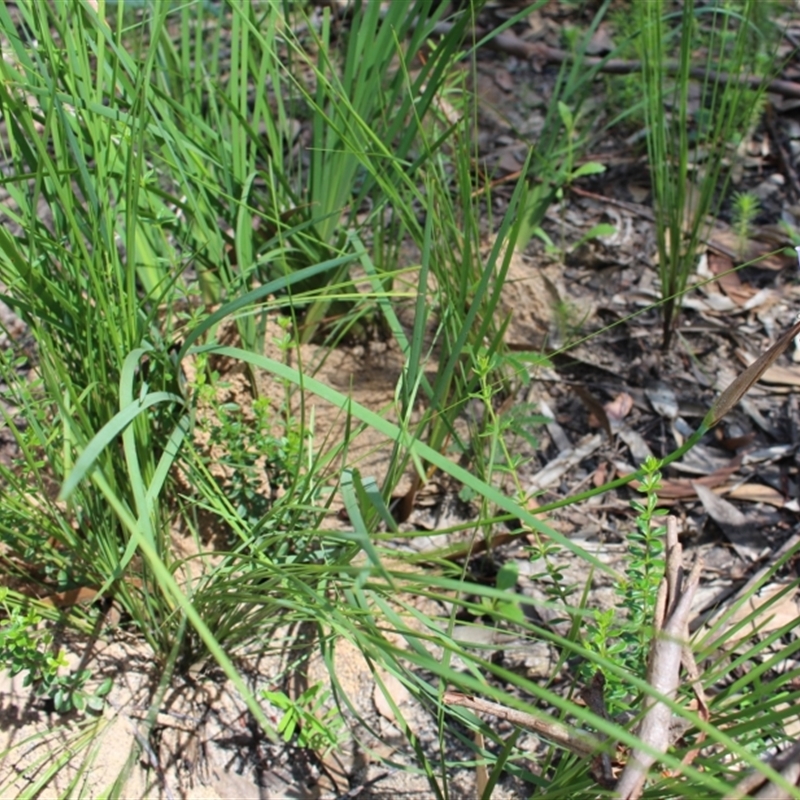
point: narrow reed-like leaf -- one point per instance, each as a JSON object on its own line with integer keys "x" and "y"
{"x": 742, "y": 384}
{"x": 107, "y": 434}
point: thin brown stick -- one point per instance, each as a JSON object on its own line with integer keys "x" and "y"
{"x": 703, "y": 710}
{"x": 144, "y": 743}
{"x": 785, "y": 763}
{"x": 580, "y": 742}
{"x": 542, "y": 54}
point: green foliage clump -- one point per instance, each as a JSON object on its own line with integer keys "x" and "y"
{"x": 623, "y": 634}
{"x": 493, "y": 434}
{"x": 24, "y": 647}
{"x": 688, "y": 138}
{"x": 27, "y": 647}
{"x": 307, "y": 721}
{"x": 256, "y": 456}
{"x": 256, "y": 463}
{"x": 160, "y": 165}
{"x": 759, "y": 35}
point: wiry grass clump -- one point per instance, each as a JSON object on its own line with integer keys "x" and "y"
{"x": 158, "y": 189}
{"x": 692, "y": 144}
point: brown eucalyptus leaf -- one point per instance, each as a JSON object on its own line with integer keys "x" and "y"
{"x": 757, "y": 493}
{"x": 782, "y": 376}
{"x": 742, "y": 534}
{"x": 729, "y": 280}
{"x": 71, "y": 597}
{"x": 596, "y": 408}
{"x": 734, "y": 443}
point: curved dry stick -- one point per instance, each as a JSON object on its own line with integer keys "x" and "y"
{"x": 787, "y": 763}
{"x": 580, "y": 742}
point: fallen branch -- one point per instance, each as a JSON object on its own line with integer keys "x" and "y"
{"x": 580, "y": 742}
{"x": 786, "y": 763}
{"x": 540, "y": 54}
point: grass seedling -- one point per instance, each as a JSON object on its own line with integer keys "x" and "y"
{"x": 555, "y": 153}
{"x": 745, "y": 210}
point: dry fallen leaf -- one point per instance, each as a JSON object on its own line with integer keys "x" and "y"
{"x": 734, "y": 443}
{"x": 553, "y": 471}
{"x": 746, "y": 540}
{"x": 663, "y": 399}
{"x": 728, "y": 280}
{"x": 395, "y": 689}
{"x": 742, "y": 384}
{"x": 757, "y": 493}
{"x": 598, "y": 416}
{"x": 601, "y": 41}
{"x": 771, "y": 615}
{"x": 600, "y": 475}
{"x": 725, "y": 240}
{"x": 503, "y": 79}
{"x": 782, "y": 376}
{"x": 619, "y": 407}
{"x": 72, "y": 597}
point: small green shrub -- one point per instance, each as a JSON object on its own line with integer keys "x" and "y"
{"x": 26, "y": 647}
{"x": 307, "y": 721}
{"x": 243, "y": 443}
{"x": 623, "y": 634}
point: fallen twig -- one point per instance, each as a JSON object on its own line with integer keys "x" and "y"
{"x": 542, "y": 54}
{"x": 703, "y": 710}
{"x": 594, "y": 697}
{"x": 144, "y": 743}
{"x": 580, "y": 742}
{"x": 356, "y": 791}
{"x": 787, "y": 763}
